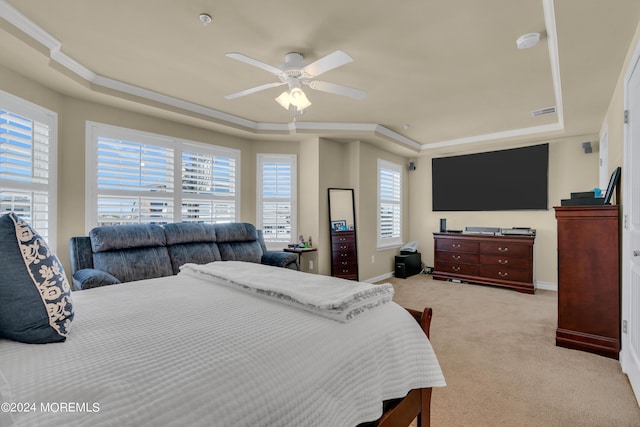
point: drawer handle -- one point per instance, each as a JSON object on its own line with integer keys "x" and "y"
{"x": 456, "y": 257}
{"x": 343, "y": 247}
{"x": 501, "y": 274}
{"x": 455, "y": 268}
{"x": 345, "y": 262}
{"x": 343, "y": 255}
{"x": 503, "y": 249}
{"x": 503, "y": 261}
{"x": 456, "y": 245}
{"x": 345, "y": 271}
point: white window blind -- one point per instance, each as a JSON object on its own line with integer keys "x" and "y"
{"x": 134, "y": 182}
{"x": 27, "y": 163}
{"x": 276, "y": 198}
{"x": 209, "y": 187}
{"x": 147, "y": 178}
{"x": 389, "y": 203}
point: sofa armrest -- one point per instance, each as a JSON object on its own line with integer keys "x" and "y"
{"x": 280, "y": 259}
{"x": 80, "y": 254}
{"x": 88, "y": 278}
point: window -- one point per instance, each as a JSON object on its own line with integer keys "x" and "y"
{"x": 389, "y": 204}
{"x": 27, "y": 163}
{"x": 276, "y": 204}
{"x": 138, "y": 177}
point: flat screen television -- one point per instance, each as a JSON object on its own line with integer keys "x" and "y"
{"x": 514, "y": 179}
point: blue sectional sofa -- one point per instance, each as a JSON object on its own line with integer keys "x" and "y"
{"x": 124, "y": 253}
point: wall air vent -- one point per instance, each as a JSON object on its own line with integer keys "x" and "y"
{"x": 543, "y": 111}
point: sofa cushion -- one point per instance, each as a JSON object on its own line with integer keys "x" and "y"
{"x": 196, "y": 253}
{"x": 191, "y": 242}
{"x": 129, "y": 265}
{"x": 238, "y": 241}
{"x": 131, "y": 252}
{"x": 116, "y": 237}
{"x": 35, "y": 297}
{"x": 189, "y": 232}
{"x": 236, "y": 232}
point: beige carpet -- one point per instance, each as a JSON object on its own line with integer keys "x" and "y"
{"x": 498, "y": 354}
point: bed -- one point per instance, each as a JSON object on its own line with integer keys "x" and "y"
{"x": 202, "y": 350}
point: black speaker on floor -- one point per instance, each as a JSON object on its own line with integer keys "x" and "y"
{"x": 408, "y": 264}
{"x": 401, "y": 270}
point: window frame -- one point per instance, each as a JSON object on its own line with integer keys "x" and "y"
{"x": 396, "y": 240}
{"x": 95, "y": 130}
{"x": 38, "y": 113}
{"x": 292, "y": 160}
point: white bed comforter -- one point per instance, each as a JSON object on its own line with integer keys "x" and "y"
{"x": 180, "y": 351}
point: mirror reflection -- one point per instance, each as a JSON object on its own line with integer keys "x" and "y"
{"x": 344, "y": 256}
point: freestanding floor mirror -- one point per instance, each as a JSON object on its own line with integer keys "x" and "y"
{"x": 342, "y": 222}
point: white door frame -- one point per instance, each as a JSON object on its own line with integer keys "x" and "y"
{"x": 629, "y": 360}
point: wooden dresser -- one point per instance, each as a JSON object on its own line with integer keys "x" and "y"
{"x": 487, "y": 259}
{"x": 344, "y": 256}
{"x": 588, "y": 279}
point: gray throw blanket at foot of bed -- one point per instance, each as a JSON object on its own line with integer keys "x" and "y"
{"x": 331, "y": 297}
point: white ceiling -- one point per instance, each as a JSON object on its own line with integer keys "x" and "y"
{"x": 449, "y": 69}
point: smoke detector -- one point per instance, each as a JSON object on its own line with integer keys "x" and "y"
{"x": 528, "y": 40}
{"x": 205, "y": 18}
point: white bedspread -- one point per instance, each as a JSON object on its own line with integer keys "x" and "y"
{"x": 179, "y": 351}
{"x": 332, "y": 297}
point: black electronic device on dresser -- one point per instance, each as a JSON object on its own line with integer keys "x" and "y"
{"x": 407, "y": 264}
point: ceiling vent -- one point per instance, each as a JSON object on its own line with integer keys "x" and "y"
{"x": 543, "y": 111}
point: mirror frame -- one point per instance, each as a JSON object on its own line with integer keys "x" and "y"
{"x": 355, "y": 228}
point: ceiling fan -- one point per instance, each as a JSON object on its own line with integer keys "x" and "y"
{"x": 295, "y": 73}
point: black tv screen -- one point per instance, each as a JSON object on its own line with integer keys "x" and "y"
{"x": 515, "y": 179}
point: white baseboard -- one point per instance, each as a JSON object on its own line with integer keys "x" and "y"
{"x": 547, "y": 286}
{"x": 539, "y": 285}
{"x": 379, "y": 278}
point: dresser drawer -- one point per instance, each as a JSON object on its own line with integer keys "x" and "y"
{"x": 505, "y": 248}
{"x": 342, "y": 269}
{"x": 505, "y": 261}
{"x": 506, "y": 273}
{"x": 342, "y": 237}
{"x": 338, "y": 258}
{"x": 455, "y": 268}
{"x": 457, "y": 257}
{"x": 451, "y": 245}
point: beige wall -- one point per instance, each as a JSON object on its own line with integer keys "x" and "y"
{"x": 570, "y": 170}
{"x": 323, "y": 163}
{"x": 374, "y": 262}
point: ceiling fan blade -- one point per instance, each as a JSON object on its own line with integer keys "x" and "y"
{"x": 253, "y": 90}
{"x": 337, "y": 89}
{"x": 326, "y": 63}
{"x": 248, "y": 60}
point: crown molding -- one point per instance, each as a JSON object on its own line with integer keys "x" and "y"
{"x": 25, "y": 25}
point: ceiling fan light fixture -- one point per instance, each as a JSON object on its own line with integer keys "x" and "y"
{"x": 295, "y": 97}
{"x": 299, "y": 99}
{"x": 283, "y": 100}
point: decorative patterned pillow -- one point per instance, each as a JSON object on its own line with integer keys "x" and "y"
{"x": 35, "y": 297}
